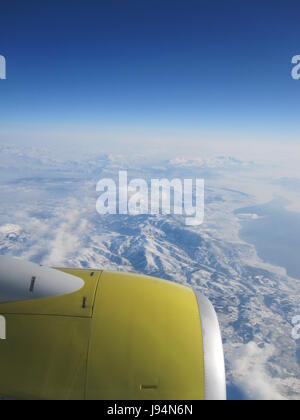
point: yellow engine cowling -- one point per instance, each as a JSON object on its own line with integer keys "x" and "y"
{"x": 82, "y": 334}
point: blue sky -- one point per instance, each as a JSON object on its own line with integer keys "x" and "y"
{"x": 120, "y": 71}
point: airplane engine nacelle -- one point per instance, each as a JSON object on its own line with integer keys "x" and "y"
{"x": 83, "y": 334}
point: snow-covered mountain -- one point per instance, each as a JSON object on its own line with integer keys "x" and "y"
{"x": 48, "y": 215}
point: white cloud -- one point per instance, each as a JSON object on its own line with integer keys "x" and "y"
{"x": 248, "y": 364}
{"x": 67, "y": 237}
